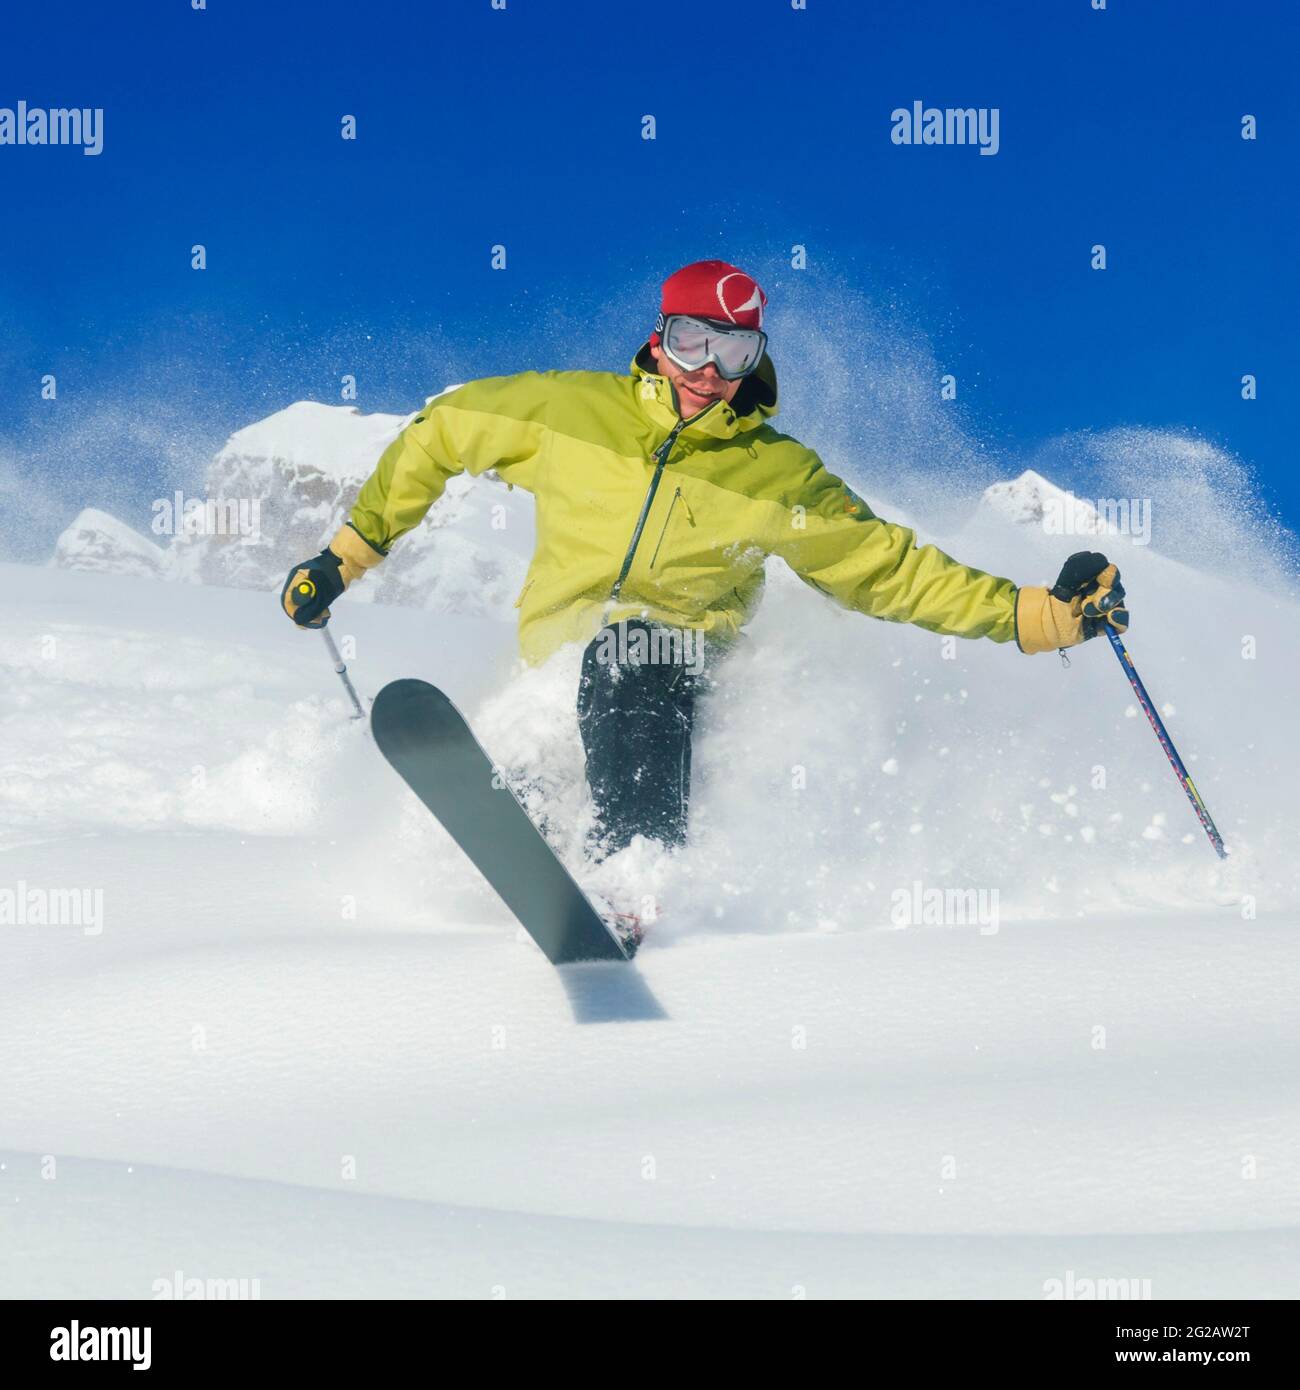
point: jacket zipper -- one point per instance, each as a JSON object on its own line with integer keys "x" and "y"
{"x": 661, "y": 459}
{"x": 677, "y": 497}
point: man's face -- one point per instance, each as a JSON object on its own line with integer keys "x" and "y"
{"x": 695, "y": 390}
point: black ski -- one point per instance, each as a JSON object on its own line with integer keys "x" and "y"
{"x": 426, "y": 739}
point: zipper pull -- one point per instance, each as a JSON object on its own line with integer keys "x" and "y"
{"x": 690, "y": 515}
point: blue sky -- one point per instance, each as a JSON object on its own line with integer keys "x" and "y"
{"x": 522, "y": 127}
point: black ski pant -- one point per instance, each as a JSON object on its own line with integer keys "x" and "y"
{"x": 636, "y": 710}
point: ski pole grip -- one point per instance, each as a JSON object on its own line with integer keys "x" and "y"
{"x": 302, "y": 592}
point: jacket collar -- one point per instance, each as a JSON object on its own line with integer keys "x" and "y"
{"x": 755, "y": 402}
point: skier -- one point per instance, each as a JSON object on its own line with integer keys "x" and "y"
{"x": 660, "y": 494}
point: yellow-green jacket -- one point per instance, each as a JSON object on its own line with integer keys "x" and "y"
{"x": 674, "y": 519}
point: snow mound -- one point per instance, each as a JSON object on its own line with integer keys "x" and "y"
{"x": 311, "y": 440}
{"x": 1030, "y": 500}
{"x": 99, "y": 543}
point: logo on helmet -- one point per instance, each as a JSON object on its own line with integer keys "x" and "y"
{"x": 753, "y": 304}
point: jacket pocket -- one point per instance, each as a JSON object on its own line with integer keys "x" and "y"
{"x": 672, "y": 507}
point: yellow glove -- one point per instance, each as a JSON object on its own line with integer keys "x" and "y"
{"x": 1086, "y": 596}
{"x": 313, "y": 585}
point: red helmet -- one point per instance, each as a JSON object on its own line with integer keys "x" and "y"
{"x": 712, "y": 290}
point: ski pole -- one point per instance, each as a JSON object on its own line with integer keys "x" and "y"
{"x": 301, "y": 593}
{"x": 1180, "y": 771}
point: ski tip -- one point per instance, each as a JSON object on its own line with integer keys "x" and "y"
{"x": 409, "y": 695}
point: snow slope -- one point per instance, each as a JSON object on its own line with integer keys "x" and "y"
{"x": 308, "y": 1047}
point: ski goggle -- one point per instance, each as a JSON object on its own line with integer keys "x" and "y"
{"x": 694, "y": 343}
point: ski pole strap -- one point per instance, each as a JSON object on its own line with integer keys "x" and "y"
{"x": 1180, "y": 770}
